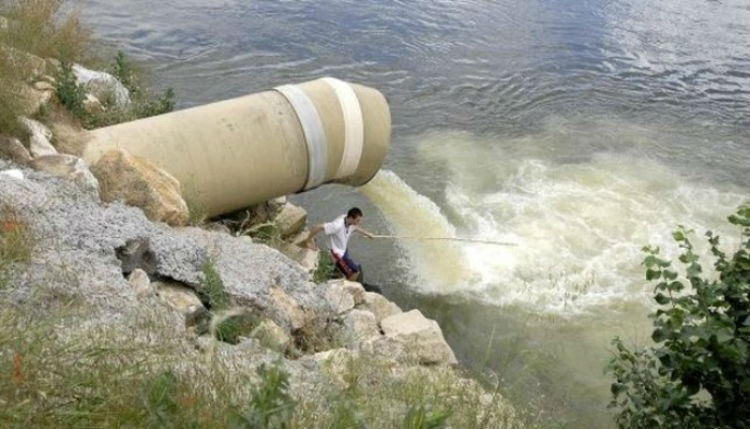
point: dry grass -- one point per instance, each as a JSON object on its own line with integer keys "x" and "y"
{"x": 38, "y": 27}
{"x": 16, "y": 243}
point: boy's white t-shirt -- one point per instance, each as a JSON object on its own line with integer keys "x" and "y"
{"x": 338, "y": 234}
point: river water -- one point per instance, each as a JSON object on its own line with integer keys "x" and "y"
{"x": 579, "y": 130}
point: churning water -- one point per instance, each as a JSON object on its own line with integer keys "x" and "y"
{"x": 579, "y": 130}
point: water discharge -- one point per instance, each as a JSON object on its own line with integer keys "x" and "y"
{"x": 580, "y": 225}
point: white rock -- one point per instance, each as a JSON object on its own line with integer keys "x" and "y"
{"x": 379, "y": 306}
{"x": 359, "y": 326}
{"x": 290, "y": 220}
{"x": 272, "y": 336}
{"x": 338, "y": 297}
{"x": 141, "y": 284}
{"x": 286, "y": 308}
{"x": 422, "y": 336}
{"x": 102, "y": 84}
{"x": 179, "y": 297}
{"x": 14, "y": 173}
{"x": 13, "y": 149}
{"x": 307, "y": 258}
{"x": 69, "y": 167}
{"x": 39, "y": 144}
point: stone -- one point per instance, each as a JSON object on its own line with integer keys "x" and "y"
{"x": 92, "y": 105}
{"x": 358, "y": 326}
{"x": 386, "y": 347}
{"x": 354, "y": 289}
{"x": 22, "y": 60}
{"x": 34, "y": 99}
{"x": 39, "y": 144}
{"x": 69, "y": 167}
{"x": 137, "y": 254}
{"x": 334, "y": 363}
{"x": 141, "y": 284}
{"x": 338, "y": 297}
{"x": 379, "y": 306}
{"x": 179, "y": 297}
{"x": 272, "y": 336}
{"x": 11, "y": 148}
{"x": 139, "y": 183}
{"x": 423, "y": 337}
{"x": 307, "y": 258}
{"x": 102, "y": 85}
{"x": 290, "y": 220}
{"x": 286, "y": 309}
{"x": 14, "y": 173}
{"x": 44, "y": 85}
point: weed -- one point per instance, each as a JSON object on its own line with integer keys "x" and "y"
{"x": 270, "y": 406}
{"x": 325, "y": 270}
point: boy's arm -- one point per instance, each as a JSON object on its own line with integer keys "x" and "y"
{"x": 364, "y": 232}
{"x": 309, "y": 241}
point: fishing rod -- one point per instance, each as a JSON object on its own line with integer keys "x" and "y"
{"x": 468, "y": 240}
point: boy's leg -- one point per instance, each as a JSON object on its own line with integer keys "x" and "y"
{"x": 354, "y": 268}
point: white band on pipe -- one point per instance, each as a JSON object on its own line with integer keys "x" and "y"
{"x": 315, "y": 136}
{"x": 353, "y": 127}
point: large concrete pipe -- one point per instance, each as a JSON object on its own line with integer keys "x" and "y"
{"x": 239, "y": 152}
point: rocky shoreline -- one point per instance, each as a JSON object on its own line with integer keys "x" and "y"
{"x": 112, "y": 241}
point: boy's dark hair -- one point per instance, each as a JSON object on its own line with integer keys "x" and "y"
{"x": 354, "y": 212}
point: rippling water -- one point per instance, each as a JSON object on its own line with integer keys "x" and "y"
{"x": 581, "y": 130}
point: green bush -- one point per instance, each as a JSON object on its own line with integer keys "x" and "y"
{"x": 271, "y": 407}
{"x": 69, "y": 92}
{"x": 698, "y": 373}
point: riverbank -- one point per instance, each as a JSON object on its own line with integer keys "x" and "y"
{"x": 112, "y": 318}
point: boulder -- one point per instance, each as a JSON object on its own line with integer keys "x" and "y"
{"x": 386, "y": 347}
{"x": 179, "y": 297}
{"x": 338, "y": 297}
{"x": 44, "y": 85}
{"x": 307, "y": 258}
{"x": 11, "y": 148}
{"x": 379, "y": 306}
{"x": 34, "y": 99}
{"x": 354, "y": 289}
{"x": 334, "y": 363}
{"x": 358, "y": 326}
{"x": 290, "y": 220}
{"x": 141, "y": 284}
{"x": 422, "y": 336}
{"x": 272, "y": 336}
{"x": 69, "y": 167}
{"x": 39, "y": 144}
{"x": 102, "y": 85}
{"x": 139, "y": 183}
{"x": 286, "y": 309}
{"x": 92, "y": 105}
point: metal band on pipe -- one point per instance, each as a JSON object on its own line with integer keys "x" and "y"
{"x": 315, "y": 136}
{"x": 353, "y": 127}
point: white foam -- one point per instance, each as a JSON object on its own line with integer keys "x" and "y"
{"x": 579, "y": 226}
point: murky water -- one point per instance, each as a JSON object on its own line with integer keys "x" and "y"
{"x": 578, "y": 130}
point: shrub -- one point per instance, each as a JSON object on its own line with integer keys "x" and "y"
{"x": 696, "y": 375}
{"x": 326, "y": 268}
{"x": 271, "y": 406}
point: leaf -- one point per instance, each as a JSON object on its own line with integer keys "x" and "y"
{"x": 652, "y": 274}
{"x": 661, "y": 299}
{"x": 659, "y": 335}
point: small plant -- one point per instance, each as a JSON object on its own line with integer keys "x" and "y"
{"x": 696, "y": 375}
{"x": 270, "y": 406}
{"x": 326, "y": 268}
{"x": 161, "y": 400}
{"x": 214, "y": 295}
{"x": 420, "y": 417}
{"x": 233, "y": 327}
{"x": 69, "y": 92}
